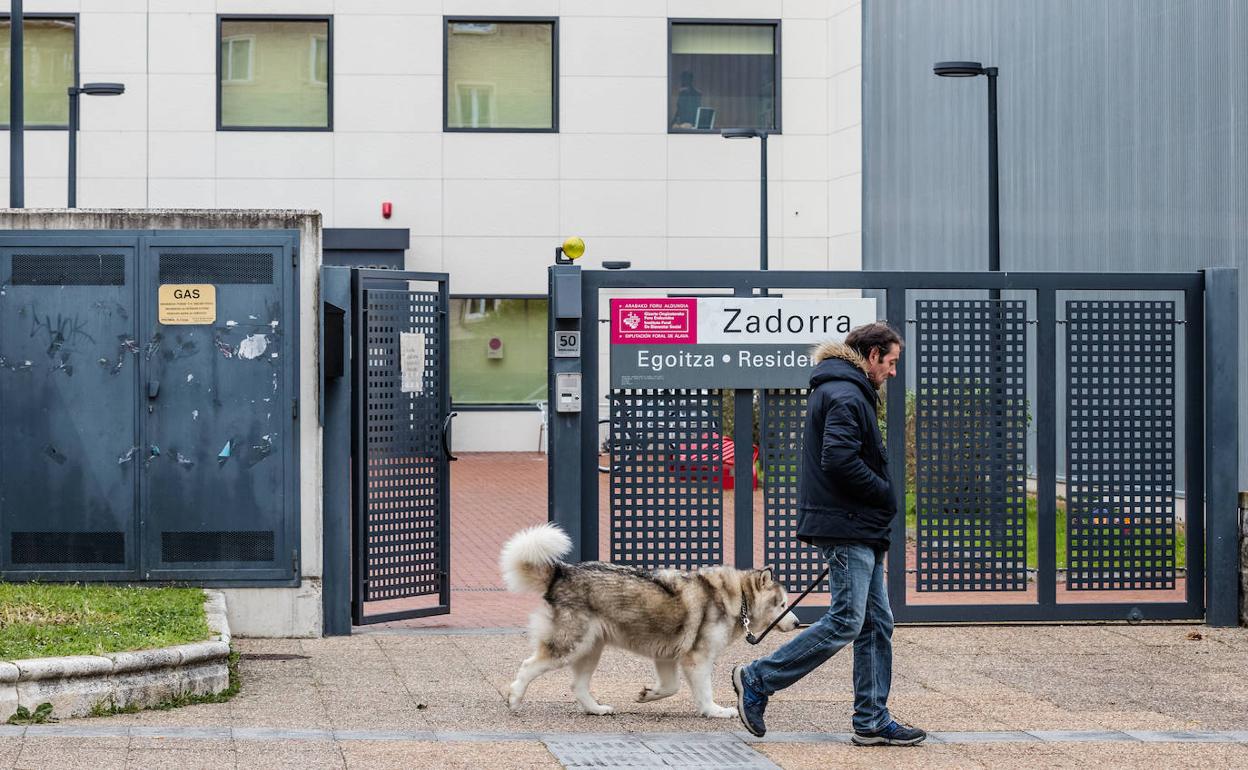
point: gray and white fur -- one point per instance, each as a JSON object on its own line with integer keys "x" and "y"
{"x": 678, "y": 619}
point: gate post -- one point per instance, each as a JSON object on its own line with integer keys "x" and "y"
{"x": 335, "y": 400}
{"x": 565, "y": 406}
{"x": 1221, "y": 445}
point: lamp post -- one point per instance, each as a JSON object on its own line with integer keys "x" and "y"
{"x": 760, "y": 133}
{"x": 17, "y": 107}
{"x": 970, "y": 69}
{"x": 90, "y": 89}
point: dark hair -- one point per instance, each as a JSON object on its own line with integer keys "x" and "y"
{"x": 873, "y": 336}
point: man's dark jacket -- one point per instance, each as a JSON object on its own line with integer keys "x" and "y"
{"x": 845, "y": 493}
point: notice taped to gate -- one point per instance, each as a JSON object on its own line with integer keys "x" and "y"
{"x": 725, "y": 342}
{"x": 412, "y": 362}
{"x": 181, "y": 304}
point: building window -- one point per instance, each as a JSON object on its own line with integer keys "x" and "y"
{"x": 318, "y": 60}
{"x": 275, "y": 74}
{"x": 498, "y": 350}
{"x": 237, "y": 61}
{"x": 50, "y": 68}
{"x": 501, "y": 75}
{"x": 723, "y": 75}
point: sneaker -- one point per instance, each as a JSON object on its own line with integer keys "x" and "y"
{"x": 750, "y": 705}
{"x": 892, "y": 734}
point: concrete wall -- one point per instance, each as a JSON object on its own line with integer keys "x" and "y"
{"x": 252, "y": 611}
{"x": 488, "y": 208}
{"x": 1243, "y": 558}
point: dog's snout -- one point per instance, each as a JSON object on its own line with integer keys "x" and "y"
{"x": 789, "y": 622}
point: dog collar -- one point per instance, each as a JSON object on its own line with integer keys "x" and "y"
{"x": 745, "y": 615}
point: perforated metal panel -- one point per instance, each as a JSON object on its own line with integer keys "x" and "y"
{"x": 403, "y": 497}
{"x": 1120, "y": 364}
{"x": 72, "y": 548}
{"x": 783, "y": 418}
{"x": 216, "y": 268}
{"x": 970, "y": 430}
{"x": 69, "y": 270}
{"x": 216, "y": 546}
{"x": 667, "y": 500}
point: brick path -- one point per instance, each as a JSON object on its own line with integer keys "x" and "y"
{"x": 495, "y": 494}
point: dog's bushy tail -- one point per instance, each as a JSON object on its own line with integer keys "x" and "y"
{"x": 529, "y": 557}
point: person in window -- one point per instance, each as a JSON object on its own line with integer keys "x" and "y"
{"x": 688, "y": 100}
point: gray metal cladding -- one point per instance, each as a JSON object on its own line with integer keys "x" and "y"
{"x": 1123, "y": 139}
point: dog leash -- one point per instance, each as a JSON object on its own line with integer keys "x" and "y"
{"x": 756, "y": 639}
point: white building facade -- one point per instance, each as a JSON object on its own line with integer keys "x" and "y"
{"x": 489, "y": 130}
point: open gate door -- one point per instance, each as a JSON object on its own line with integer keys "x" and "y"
{"x": 400, "y": 446}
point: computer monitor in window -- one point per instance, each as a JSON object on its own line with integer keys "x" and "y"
{"x": 705, "y": 118}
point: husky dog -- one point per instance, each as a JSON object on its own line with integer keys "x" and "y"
{"x": 676, "y": 618}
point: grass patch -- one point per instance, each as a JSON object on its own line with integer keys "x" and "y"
{"x": 1180, "y": 537}
{"x": 40, "y": 620}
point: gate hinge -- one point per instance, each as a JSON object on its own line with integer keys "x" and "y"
{"x": 294, "y": 256}
{"x": 294, "y": 409}
{"x": 294, "y": 560}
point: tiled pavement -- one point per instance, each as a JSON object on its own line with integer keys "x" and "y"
{"x": 1018, "y": 697}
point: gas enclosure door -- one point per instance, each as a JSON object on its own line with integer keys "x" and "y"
{"x": 220, "y": 407}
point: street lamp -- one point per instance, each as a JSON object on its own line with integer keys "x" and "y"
{"x": 752, "y": 133}
{"x": 90, "y": 89}
{"x": 970, "y": 69}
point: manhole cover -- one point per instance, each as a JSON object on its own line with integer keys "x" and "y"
{"x": 638, "y": 752}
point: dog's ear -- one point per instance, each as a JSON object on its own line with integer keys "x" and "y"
{"x": 767, "y": 574}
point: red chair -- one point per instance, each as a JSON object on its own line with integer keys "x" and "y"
{"x": 696, "y": 459}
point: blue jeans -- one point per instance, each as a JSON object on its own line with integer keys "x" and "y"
{"x": 859, "y": 613}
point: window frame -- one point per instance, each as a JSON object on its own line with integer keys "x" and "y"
{"x": 711, "y": 22}
{"x": 329, "y": 67}
{"x": 74, "y": 17}
{"x": 553, "y": 21}
{"x": 503, "y": 406}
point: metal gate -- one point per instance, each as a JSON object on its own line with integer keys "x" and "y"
{"x": 990, "y": 532}
{"x": 139, "y": 443}
{"x": 400, "y": 445}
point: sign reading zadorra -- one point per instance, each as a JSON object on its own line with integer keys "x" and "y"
{"x": 725, "y": 342}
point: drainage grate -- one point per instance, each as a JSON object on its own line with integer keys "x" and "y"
{"x": 637, "y": 752}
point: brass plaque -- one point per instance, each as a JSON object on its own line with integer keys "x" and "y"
{"x": 187, "y": 303}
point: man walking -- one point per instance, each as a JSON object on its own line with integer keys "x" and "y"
{"x": 846, "y": 502}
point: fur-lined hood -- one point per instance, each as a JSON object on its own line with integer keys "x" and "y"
{"x": 838, "y": 361}
{"x": 825, "y": 350}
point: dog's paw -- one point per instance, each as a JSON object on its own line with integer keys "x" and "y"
{"x": 651, "y": 694}
{"x": 720, "y": 712}
{"x": 514, "y": 698}
{"x": 602, "y": 709}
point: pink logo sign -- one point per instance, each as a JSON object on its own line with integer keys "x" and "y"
{"x": 654, "y": 321}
